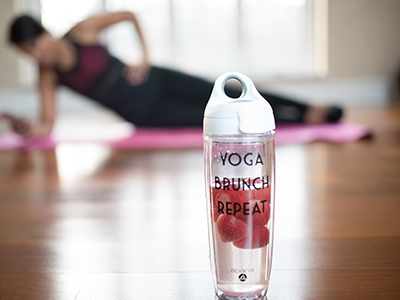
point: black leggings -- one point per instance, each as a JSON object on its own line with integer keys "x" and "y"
{"x": 174, "y": 99}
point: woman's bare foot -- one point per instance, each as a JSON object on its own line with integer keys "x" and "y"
{"x": 322, "y": 114}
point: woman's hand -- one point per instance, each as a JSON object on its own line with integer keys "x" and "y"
{"x": 26, "y": 128}
{"x": 137, "y": 75}
{"x": 19, "y": 125}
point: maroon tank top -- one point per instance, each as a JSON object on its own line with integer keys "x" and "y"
{"x": 91, "y": 63}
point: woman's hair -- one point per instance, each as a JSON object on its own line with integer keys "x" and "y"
{"x": 24, "y": 28}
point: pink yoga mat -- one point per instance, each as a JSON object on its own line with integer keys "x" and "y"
{"x": 125, "y": 136}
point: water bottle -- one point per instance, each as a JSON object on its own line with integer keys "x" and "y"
{"x": 239, "y": 156}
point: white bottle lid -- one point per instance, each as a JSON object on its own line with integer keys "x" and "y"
{"x": 250, "y": 113}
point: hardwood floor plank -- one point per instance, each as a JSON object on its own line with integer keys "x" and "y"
{"x": 366, "y": 284}
{"x": 39, "y": 286}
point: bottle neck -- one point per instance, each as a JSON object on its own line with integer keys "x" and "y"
{"x": 240, "y": 138}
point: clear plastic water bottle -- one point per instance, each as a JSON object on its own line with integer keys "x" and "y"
{"x": 239, "y": 153}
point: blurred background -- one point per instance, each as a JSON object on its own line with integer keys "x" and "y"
{"x": 319, "y": 50}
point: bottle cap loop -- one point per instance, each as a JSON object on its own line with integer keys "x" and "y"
{"x": 249, "y": 113}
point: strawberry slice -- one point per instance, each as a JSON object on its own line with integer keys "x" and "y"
{"x": 231, "y": 229}
{"x": 214, "y": 207}
{"x": 257, "y": 239}
{"x": 255, "y": 213}
{"x": 229, "y": 202}
{"x": 261, "y": 194}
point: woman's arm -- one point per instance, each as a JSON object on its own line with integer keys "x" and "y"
{"x": 88, "y": 31}
{"x": 47, "y": 89}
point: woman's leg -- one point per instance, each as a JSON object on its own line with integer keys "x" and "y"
{"x": 288, "y": 110}
{"x": 285, "y": 110}
{"x": 192, "y": 91}
{"x": 185, "y": 87}
{"x": 183, "y": 99}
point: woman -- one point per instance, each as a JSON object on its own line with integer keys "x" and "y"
{"x": 144, "y": 95}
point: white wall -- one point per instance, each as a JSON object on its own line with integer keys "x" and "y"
{"x": 363, "y": 38}
{"x": 15, "y": 69}
{"x": 8, "y": 58}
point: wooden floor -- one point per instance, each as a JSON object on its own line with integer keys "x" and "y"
{"x": 88, "y": 222}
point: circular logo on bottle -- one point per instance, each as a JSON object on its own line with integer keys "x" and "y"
{"x": 242, "y": 277}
